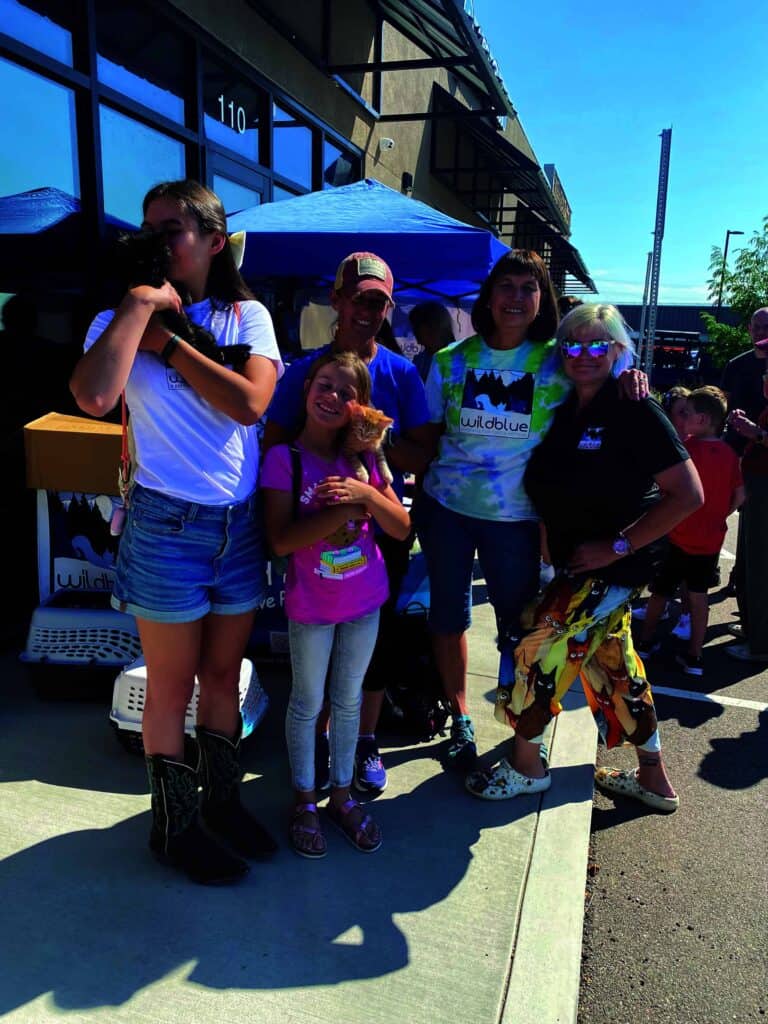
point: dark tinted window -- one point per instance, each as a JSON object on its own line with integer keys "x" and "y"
{"x": 45, "y": 26}
{"x": 141, "y": 57}
{"x": 338, "y": 167}
{"x": 233, "y": 108}
{"x": 38, "y": 146}
{"x": 154, "y": 157}
{"x": 292, "y": 147}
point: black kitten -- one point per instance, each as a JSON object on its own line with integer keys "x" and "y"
{"x": 143, "y": 257}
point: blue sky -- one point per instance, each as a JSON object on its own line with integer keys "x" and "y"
{"x": 594, "y": 85}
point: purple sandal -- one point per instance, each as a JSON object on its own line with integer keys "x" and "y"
{"x": 365, "y": 836}
{"x": 307, "y": 840}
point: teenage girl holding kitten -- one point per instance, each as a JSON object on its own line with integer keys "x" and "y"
{"x": 335, "y": 585}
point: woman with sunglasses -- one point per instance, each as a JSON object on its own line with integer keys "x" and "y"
{"x": 609, "y": 480}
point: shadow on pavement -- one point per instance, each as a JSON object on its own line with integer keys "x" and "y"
{"x": 737, "y": 762}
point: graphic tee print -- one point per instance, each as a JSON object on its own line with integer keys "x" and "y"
{"x": 495, "y": 406}
{"x": 342, "y": 576}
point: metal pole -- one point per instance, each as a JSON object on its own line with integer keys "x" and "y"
{"x": 658, "y": 235}
{"x": 728, "y": 234}
{"x": 644, "y": 314}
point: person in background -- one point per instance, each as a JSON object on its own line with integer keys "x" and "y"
{"x": 362, "y": 295}
{"x": 191, "y": 561}
{"x": 386, "y": 337}
{"x": 432, "y": 328}
{"x": 491, "y": 399}
{"x": 628, "y": 481}
{"x": 695, "y": 543}
{"x": 742, "y": 382}
{"x": 335, "y": 585}
{"x": 566, "y": 303}
{"x": 674, "y": 402}
{"x": 752, "y": 564}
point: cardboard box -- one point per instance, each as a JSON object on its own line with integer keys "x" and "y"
{"x": 71, "y": 453}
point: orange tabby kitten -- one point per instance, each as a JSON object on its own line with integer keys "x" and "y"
{"x": 364, "y": 433}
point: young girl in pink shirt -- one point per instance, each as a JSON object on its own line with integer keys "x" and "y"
{"x": 335, "y": 585}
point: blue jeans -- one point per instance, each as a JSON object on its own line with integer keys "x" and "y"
{"x": 178, "y": 560}
{"x": 509, "y": 557}
{"x": 348, "y": 647}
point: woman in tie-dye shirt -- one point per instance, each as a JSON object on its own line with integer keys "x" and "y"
{"x": 491, "y": 399}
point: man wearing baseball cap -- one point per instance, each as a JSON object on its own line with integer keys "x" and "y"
{"x": 362, "y": 295}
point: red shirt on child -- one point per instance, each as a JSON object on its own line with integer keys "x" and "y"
{"x": 703, "y": 532}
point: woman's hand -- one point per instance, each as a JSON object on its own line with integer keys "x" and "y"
{"x": 593, "y": 554}
{"x": 633, "y": 384}
{"x": 343, "y": 490}
{"x": 742, "y": 424}
{"x": 164, "y": 297}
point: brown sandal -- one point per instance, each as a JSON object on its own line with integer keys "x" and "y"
{"x": 364, "y": 833}
{"x": 307, "y": 840}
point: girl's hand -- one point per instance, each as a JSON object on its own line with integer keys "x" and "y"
{"x": 342, "y": 490}
{"x": 164, "y": 297}
{"x": 742, "y": 424}
{"x": 633, "y": 384}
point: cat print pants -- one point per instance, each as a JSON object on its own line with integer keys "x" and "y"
{"x": 578, "y": 627}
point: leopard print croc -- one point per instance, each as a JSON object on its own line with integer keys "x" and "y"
{"x": 624, "y": 782}
{"x": 503, "y": 782}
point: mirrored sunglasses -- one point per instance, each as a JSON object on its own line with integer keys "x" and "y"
{"x": 594, "y": 349}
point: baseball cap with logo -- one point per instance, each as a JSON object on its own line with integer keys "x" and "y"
{"x": 363, "y": 272}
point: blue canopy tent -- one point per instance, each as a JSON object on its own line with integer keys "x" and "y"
{"x": 431, "y": 254}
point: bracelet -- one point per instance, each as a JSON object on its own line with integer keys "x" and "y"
{"x": 169, "y": 348}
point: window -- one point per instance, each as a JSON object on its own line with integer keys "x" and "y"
{"x": 234, "y": 196}
{"x": 232, "y": 110}
{"x": 281, "y": 193}
{"x": 33, "y": 156}
{"x": 140, "y": 57}
{"x": 154, "y": 157}
{"x": 46, "y": 28}
{"x": 338, "y": 168}
{"x": 292, "y": 148}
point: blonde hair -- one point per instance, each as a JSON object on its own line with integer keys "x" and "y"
{"x": 611, "y": 320}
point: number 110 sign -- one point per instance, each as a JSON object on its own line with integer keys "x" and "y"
{"x": 231, "y": 114}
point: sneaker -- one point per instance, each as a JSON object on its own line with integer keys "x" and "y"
{"x": 736, "y": 629}
{"x": 322, "y": 762}
{"x": 645, "y": 652}
{"x": 462, "y": 750}
{"x": 743, "y": 653}
{"x": 691, "y": 665}
{"x": 683, "y": 628}
{"x": 369, "y": 772}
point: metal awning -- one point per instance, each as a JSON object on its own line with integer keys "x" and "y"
{"x": 564, "y": 260}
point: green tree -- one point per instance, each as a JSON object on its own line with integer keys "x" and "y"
{"x": 744, "y": 289}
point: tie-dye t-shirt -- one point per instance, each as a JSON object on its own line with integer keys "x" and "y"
{"x": 496, "y": 406}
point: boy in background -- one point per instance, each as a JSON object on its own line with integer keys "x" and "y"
{"x": 694, "y": 544}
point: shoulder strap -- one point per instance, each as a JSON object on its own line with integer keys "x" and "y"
{"x": 295, "y": 478}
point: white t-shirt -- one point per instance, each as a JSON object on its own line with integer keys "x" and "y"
{"x": 186, "y": 448}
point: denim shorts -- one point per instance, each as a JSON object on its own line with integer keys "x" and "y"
{"x": 509, "y": 558}
{"x": 178, "y": 560}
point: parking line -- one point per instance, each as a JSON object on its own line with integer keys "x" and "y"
{"x": 710, "y": 698}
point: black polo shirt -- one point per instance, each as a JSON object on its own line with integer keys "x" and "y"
{"x": 593, "y": 475}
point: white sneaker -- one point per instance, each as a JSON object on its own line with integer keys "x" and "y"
{"x": 683, "y": 628}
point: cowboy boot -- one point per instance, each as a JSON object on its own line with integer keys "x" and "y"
{"x": 176, "y": 837}
{"x": 221, "y": 810}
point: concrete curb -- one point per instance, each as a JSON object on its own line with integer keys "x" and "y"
{"x": 543, "y": 984}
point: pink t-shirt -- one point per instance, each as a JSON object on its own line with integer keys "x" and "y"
{"x": 343, "y": 576}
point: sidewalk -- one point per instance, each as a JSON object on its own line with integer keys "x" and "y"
{"x": 471, "y": 913}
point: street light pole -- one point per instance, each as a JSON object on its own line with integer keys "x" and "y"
{"x": 728, "y": 234}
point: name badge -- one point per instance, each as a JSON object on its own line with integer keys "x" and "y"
{"x": 591, "y": 440}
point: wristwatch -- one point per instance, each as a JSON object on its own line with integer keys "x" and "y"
{"x": 622, "y": 546}
{"x": 169, "y": 348}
